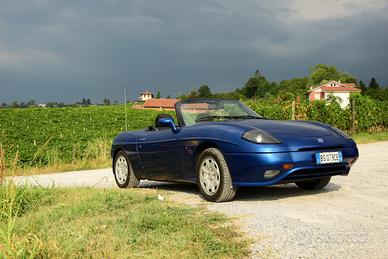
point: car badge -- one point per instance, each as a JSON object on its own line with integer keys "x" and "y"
{"x": 320, "y": 140}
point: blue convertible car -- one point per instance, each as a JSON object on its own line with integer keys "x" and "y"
{"x": 221, "y": 145}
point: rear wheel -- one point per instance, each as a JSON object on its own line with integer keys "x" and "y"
{"x": 317, "y": 184}
{"x": 122, "y": 169}
{"x": 213, "y": 176}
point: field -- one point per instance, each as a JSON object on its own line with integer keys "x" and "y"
{"x": 65, "y": 138}
{"x": 91, "y": 223}
{"x": 60, "y": 139}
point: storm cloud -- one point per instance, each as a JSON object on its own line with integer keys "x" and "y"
{"x": 66, "y": 50}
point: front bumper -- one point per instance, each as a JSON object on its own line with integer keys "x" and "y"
{"x": 247, "y": 169}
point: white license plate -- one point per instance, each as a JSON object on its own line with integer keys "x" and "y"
{"x": 329, "y": 157}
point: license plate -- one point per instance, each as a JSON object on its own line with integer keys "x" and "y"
{"x": 329, "y": 157}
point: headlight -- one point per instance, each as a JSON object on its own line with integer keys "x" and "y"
{"x": 341, "y": 133}
{"x": 260, "y": 136}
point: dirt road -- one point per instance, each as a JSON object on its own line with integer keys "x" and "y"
{"x": 349, "y": 219}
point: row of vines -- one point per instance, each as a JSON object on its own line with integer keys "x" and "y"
{"x": 40, "y": 137}
{"x": 368, "y": 114}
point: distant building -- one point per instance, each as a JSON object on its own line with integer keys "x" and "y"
{"x": 147, "y": 95}
{"x": 334, "y": 88}
{"x": 160, "y": 104}
{"x": 42, "y": 105}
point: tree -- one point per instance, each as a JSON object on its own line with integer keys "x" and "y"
{"x": 193, "y": 94}
{"x": 373, "y": 84}
{"x": 293, "y": 87}
{"x": 4, "y": 105}
{"x": 158, "y": 95}
{"x": 256, "y": 86}
{"x": 15, "y": 104}
{"x": 321, "y": 72}
{"x": 31, "y": 103}
{"x": 83, "y": 101}
{"x": 88, "y": 102}
{"x": 106, "y": 101}
{"x": 168, "y": 96}
{"x": 204, "y": 91}
{"x": 362, "y": 86}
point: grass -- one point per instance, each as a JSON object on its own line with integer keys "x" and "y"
{"x": 365, "y": 137}
{"x": 95, "y": 155}
{"x": 82, "y": 222}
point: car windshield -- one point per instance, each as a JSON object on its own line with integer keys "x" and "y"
{"x": 196, "y": 111}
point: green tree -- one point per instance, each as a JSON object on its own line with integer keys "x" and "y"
{"x": 362, "y": 86}
{"x": 373, "y": 84}
{"x": 322, "y": 72}
{"x": 288, "y": 89}
{"x": 106, "y": 101}
{"x": 204, "y": 91}
{"x": 15, "y": 104}
{"x": 193, "y": 94}
{"x": 31, "y": 103}
{"x": 158, "y": 95}
{"x": 256, "y": 86}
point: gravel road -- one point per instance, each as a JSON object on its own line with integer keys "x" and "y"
{"x": 349, "y": 219}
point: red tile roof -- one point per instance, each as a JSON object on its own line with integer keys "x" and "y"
{"x": 160, "y": 103}
{"x": 340, "y": 89}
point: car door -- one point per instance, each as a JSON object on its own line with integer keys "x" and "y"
{"x": 157, "y": 151}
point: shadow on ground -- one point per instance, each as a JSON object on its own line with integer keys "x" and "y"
{"x": 267, "y": 193}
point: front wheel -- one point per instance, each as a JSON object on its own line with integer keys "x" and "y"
{"x": 317, "y": 184}
{"x": 213, "y": 176}
{"x": 122, "y": 169}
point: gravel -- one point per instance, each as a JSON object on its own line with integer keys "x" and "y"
{"x": 348, "y": 219}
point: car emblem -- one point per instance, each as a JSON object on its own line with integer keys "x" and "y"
{"x": 320, "y": 140}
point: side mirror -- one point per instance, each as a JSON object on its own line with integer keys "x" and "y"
{"x": 168, "y": 122}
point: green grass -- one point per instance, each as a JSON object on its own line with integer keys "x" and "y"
{"x": 75, "y": 223}
{"x": 365, "y": 137}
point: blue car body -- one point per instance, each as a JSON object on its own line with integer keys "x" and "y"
{"x": 171, "y": 155}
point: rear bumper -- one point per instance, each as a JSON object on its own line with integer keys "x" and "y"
{"x": 247, "y": 169}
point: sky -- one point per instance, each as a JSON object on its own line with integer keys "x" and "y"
{"x": 64, "y": 51}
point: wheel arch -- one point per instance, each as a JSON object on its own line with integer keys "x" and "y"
{"x": 114, "y": 154}
{"x": 201, "y": 147}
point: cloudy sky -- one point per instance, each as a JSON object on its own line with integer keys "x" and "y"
{"x": 66, "y": 50}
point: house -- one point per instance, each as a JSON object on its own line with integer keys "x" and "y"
{"x": 146, "y": 95}
{"x": 160, "y": 104}
{"x": 337, "y": 89}
{"x": 42, "y": 105}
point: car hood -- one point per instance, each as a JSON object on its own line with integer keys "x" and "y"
{"x": 286, "y": 128}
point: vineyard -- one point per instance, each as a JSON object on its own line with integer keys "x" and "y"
{"x": 38, "y": 137}
{"x": 45, "y": 137}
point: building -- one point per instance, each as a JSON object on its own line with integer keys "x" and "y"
{"x": 147, "y": 95}
{"x": 337, "y": 89}
{"x": 42, "y": 105}
{"x": 160, "y": 104}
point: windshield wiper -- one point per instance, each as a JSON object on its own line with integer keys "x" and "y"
{"x": 208, "y": 118}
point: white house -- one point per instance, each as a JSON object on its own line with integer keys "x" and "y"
{"x": 147, "y": 95}
{"x": 334, "y": 88}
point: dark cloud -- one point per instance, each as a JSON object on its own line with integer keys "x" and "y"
{"x": 67, "y": 50}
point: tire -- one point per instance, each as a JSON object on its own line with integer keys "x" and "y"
{"x": 213, "y": 176}
{"x": 317, "y": 184}
{"x": 123, "y": 172}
